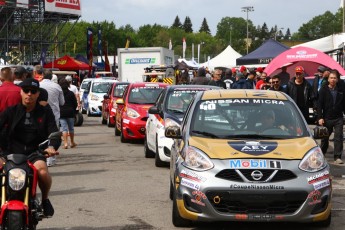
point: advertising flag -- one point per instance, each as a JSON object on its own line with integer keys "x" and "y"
{"x": 89, "y": 48}
{"x": 184, "y": 47}
{"x": 106, "y": 62}
{"x": 100, "y": 47}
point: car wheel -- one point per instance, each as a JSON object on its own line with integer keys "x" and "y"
{"x": 108, "y": 121}
{"x": 148, "y": 152}
{"x": 171, "y": 192}
{"x": 83, "y": 111}
{"x": 122, "y": 137}
{"x": 177, "y": 220}
{"x": 117, "y": 132}
{"x": 158, "y": 161}
{"x": 79, "y": 119}
{"x": 88, "y": 113}
{"x": 324, "y": 223}
{"x": 104, "y": 121}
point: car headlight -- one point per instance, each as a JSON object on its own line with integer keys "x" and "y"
{"x": 196, "y": 160}
{"x": 16, "y": 178}
{"x": 94, "y": 97}
{"x": 170, "y": 122}
{"x": 313, "y": 161}
{"x": 132, "y": 113}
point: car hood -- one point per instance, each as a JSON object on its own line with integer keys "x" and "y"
{"x": 290, "y": 149}
{"x": 141, "y": 109}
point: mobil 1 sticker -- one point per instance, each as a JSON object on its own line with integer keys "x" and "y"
{"x": 255, "y": 164}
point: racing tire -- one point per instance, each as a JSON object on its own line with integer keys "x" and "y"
{"x": 122, "y": 137}
{"x": 109, "y": 124}
{"x": 171, "y": 191}
{"x": 117, "y": 132}
{"x": 325, "y": 223}
{"x": 104, "y": 121}
{"x": 79, "y": 119}
{"x": 14, "y": 220}
{"x": 158, "y": 162}
{"x": 177, "y": 220}
{"x": 147, "y": 151}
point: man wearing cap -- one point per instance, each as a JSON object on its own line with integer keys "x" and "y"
{"x": 23, "y": 127}
{"x": 19, "y": 75}
{"x": 228, "y": 79}
{"x": 321, "y": 79}
{"x": 9, "y": 92}
{"x": 284, "y": 76}
{"x": 301, "y": 92}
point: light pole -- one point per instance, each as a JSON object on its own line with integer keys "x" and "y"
{"x": 275, "y": 34}
{"x": 199, "y": 48}
{"x": 247, "y": 9}
{"x": 230, "y": 33}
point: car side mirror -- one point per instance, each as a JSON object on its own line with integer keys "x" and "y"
{"x": 154, "y": 110}
{"x": 320, "y": 132}
{"x": 106, "y": 96}
{"x": 120, "y": 101}
{"x": 173, "y": 132}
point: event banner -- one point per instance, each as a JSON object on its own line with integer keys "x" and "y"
{"x": 63, "y": 6}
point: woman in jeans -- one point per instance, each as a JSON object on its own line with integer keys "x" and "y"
{"x": 67, "y": 114}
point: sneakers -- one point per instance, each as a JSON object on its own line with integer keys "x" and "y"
{"x": 48, "y": 209}
{"x": 338, "y": 161}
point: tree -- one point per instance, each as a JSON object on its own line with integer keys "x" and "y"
{"x": 204, "y": 27}
{"x": 321, "y": 26}
{"x": 287, "y": 35}
{"x": 177, "y": 23}
{"x": 187, "y": 25}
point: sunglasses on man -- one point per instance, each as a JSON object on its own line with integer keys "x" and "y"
{"x": 33, "y": 91}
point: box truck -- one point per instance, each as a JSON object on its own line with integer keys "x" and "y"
{"x": 133, "y": 61}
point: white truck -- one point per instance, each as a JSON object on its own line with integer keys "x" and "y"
{"x": 133, "y": 61}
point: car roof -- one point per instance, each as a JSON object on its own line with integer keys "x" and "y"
{"x": 188, "y": 87}
{"x": 140, "y": 84}
{"x": 243, "y": 93}
{"x": 104, "y": 80}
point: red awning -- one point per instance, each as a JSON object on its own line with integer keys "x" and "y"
{"x": 67, "y": 63}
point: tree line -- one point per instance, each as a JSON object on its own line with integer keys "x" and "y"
{"x": 230, "y": 31}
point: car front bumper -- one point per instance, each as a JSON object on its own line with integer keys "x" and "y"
{"x": 134, "y": 128}
{"x": 220, "y": 195}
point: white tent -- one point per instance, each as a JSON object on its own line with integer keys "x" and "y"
{"x": 226, "y": 59}
{"x": 326, "y": 44}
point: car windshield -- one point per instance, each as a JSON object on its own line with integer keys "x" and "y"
{"x": 84, "y": 84}
{"x": 101, "y": 87}
{"x": 119, "y": 90}
{"x": 248, "y": 118}
{"x": 144, "y": 94}
{"x": 179, "y": 100}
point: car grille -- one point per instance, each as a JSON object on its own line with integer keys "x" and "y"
{"x": 277, "y": 175}
{"x": 254, "y": 202}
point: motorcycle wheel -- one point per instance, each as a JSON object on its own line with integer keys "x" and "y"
{"x": 14, "y": 220}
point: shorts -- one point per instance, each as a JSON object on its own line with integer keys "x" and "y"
{"x": 36, "y": 156}
{"x": 67, "y": 125}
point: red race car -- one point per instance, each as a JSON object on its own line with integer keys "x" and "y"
{"x": 109, "y": 105}
{"x": 132, "y": 110}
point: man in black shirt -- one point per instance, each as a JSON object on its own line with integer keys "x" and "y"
{"x": 301, "y": 92}
{"x": 330, "y": 110}
{"x": 23, "y": 127}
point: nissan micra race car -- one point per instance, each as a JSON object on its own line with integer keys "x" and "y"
{"x": 247, "y": 155}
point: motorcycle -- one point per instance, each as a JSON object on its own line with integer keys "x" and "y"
{"x": 20, "y": 208}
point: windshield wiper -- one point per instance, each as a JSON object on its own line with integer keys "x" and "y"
{"x": 207, "y": 134}
{"x": 253, "y": 136}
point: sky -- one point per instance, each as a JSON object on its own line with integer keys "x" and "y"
{"x": 283, "y": 13}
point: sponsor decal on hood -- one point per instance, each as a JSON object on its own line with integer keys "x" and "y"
{"x": 255, "y": 148}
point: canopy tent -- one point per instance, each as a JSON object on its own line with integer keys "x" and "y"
{"x": 67, "y": 63}
{"x": 226, "y": 59}
{"x": 182, "y": 63}
{"x": 309, "y": 58}
{"x": 326, "y": 44}
{"x": 264, "y": 54}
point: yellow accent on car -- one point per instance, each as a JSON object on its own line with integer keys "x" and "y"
{"x": 262, "y": 94}
{"x": 184, "y": 212}
{"x": 323, "y": 215}
{"x": 288, "y": 149}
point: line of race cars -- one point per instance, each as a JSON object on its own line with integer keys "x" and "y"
{"x": 235, "y": 155}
